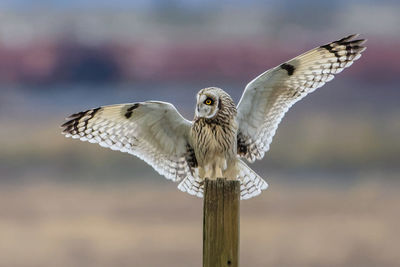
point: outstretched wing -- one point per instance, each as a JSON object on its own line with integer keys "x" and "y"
{"x": 268, "y": 97}
{"x": 153, "y": 131}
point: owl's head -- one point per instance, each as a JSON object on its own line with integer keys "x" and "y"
{"x": 211, "y": 100}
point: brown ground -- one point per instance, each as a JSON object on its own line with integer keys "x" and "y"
{"x": 142, "y": 225}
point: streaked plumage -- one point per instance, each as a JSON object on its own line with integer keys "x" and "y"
{"x": 211, "y": 146}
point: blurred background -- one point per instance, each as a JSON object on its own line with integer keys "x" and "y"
{"x": 333, "y": 167}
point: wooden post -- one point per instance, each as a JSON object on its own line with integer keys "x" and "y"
{"x": 221, "y": 223}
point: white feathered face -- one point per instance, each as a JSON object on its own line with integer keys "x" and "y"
{"x": 207, "y": 104}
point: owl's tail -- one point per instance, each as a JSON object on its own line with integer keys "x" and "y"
{"x": 251, "y": 184}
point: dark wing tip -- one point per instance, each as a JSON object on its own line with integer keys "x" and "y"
{"x": 349, "y": 37}
{"x": 71, "y": 126}
{"x": 354, "y": 47}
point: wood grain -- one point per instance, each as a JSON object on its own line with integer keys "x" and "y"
{"x": 221, "y": 223}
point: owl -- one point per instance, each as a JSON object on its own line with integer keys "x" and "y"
{"x": 221, "y": 135}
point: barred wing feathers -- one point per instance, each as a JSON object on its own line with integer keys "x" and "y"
{"x": 269, "y": 96}
{"x": 153, "y": 131}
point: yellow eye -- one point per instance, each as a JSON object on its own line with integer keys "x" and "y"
{"x": 208, "y": 101}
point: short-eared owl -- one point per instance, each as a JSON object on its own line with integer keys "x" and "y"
{"x": 213, "y": 144}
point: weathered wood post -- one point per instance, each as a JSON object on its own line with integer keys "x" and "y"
{"x": 221, "y": 223}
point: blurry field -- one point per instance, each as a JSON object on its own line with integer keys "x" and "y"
{"x": 126, "y": 224}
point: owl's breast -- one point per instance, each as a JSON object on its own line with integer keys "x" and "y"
{"x": 211, "y": 140}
